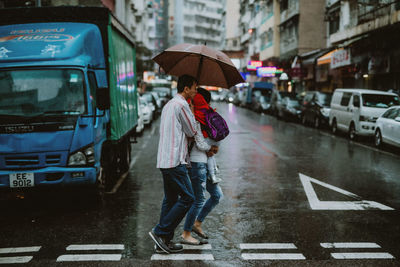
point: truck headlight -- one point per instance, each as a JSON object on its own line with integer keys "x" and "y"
{"x": 82, "y": 157}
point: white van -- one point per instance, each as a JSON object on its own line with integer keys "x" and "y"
{"x": 355, "y": 111}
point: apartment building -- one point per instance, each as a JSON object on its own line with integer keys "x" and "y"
{"x": 365, "y": 34}
{"x": 197, "y": 22}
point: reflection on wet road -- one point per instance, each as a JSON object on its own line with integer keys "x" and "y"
{"x": 268, "y": 212}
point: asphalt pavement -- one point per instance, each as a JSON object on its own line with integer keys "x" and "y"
{"x": 293, "y": 196}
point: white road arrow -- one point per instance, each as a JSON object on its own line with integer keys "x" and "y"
{"x": 317, "y": 204}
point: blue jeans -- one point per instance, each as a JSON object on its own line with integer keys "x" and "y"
{"x": 178, "y": 198}
{"x": 199, "y": 210}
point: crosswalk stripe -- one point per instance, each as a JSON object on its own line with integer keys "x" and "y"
{"x": 201, "y": 247}
{"x": 273, "y": 256}
{"x": 350, "y": 245}
{"x": 19, "y": 249}
{"x": 267, "y": 246}
{"x": 90, "y": 257}
{"x": 20, "y": 259}
{"x": 96, "y": 247}
{"x": 362, "y": 255}
{"x": 193, "y": 257}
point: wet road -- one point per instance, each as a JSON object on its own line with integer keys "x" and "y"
{"x": 294, "y": 196}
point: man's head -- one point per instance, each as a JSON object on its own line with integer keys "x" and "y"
{"x": 187, "y": 86}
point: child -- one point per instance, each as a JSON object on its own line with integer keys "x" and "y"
{"x": 201, "y": 102}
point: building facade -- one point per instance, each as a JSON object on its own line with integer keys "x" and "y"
{"x": 365, "y": 34}
{"x": 197, "y": 22}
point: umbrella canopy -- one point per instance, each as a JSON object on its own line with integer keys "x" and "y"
{"x": 209, "y": 66}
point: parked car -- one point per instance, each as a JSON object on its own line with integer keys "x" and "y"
{"x": 388, "y": 127}
{"x": 316, "y": 108}
{"x": 276, "y": 100}
{"x": 289, "y": 108}
{"x": 355, "y": 111}
{"x": 164, "y": 93}
{"x": 158, "y": 100}
{"x": 261, "y": 96}
{"x": 152, "y": 102}
{"x": 214, "y": 96}
{"x": 147, "y": 111}
{"x": 140, "y": 125}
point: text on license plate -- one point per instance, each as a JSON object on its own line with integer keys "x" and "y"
{"x": 21, "y": 179}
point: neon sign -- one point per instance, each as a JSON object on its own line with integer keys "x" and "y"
{"x": 268, "y": 71}
{"x": 253, "y": 65}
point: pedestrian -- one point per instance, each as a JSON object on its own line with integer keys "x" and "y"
{"x": 177, "y": 125}
{"x": 199, "y": 177}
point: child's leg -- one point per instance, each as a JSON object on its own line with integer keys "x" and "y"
{"x": 211, "y": 165}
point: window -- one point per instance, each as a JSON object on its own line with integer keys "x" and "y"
{"x": 284, "y": 5}
{"x": 380, "y": 101}
{"x": 356, "y": 101}
{"x": 345, "y": 99}
{"x": 93, "y": 89}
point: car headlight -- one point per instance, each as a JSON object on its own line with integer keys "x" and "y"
{"x": 325, "y": 112}
{"x": 82, "y": 157}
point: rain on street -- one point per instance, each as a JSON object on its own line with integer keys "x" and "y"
{"x": 293, "y": 195}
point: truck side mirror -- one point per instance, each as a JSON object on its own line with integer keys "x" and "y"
{"x": 102, "y": 98}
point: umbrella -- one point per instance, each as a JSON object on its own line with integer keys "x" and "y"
{"x": 209, "y": 66}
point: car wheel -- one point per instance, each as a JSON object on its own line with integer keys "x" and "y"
{"x": 378, "y": 138}
{"x": 352, "y": 132}
{"x": 303, "y": 120}
{"x": 316, "y": 122}
{"x": 334, "y": 126}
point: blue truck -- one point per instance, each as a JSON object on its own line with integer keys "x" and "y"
{"x": 68, "y": 97}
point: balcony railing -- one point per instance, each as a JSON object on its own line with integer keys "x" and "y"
{"x": 375, "y": 13}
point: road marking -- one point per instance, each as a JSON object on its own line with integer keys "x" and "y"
{"x": 133, "y": 161}
{"x": 11, "y": 260}
{"x": 362, "y": 255}
{"x": 174, "y": 257}
{"x": 96, "y": 247}
{"x": 201, "y": 247}
{"x": 19, "y": 249}
{"x": 90, "y": 257}
{"x": 267, "y": 246}
{"x": 273, "y": 256}
{"x": 350, "y": 245}
{"x": 316, "y": 204}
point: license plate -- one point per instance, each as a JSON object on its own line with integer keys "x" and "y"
{"x": 24, "y": 179}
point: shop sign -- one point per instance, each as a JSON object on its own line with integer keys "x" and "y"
{"x": 268, "y": 71}
{"x": 340, "y": 58}
{"x": 253, "y": 64}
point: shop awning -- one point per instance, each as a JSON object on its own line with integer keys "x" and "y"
{"x": 325, "y": 59}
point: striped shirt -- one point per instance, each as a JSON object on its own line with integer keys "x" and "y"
{"x": 177, "y": 123}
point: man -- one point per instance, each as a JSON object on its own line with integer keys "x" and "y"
{"x": 177, "y": 125}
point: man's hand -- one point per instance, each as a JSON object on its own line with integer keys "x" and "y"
{"x": 214, "y": 149}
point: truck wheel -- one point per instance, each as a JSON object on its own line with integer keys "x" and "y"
{"x": 352, "y": 132}
{"x": 125, "y": 156}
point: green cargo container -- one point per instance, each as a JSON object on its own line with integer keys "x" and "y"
{"x": 122, "y": 77}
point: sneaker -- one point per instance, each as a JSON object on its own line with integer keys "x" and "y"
{"x": 175, "y": 248}
{"x": 159, "y": 242}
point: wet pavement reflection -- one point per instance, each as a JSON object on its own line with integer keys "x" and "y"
{"x": 264, "y": 200}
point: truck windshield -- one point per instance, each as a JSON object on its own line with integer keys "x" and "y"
{"x": 41, "y": 92}
{"x": 380, "y": 101}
